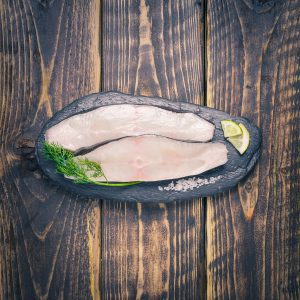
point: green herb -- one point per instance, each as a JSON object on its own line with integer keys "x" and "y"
{"x": 81, "y": 170}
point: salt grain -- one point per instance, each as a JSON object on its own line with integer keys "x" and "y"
{"x": 188, "y": 184}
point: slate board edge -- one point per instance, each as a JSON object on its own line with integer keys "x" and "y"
{"x": 146, "y": 192}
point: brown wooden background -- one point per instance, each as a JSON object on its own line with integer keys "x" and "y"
{"x": 241, "y": 56}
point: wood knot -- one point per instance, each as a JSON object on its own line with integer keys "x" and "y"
{"x": 248, "y": 187}
{"x": 260, "y": 6}
{"x": 25, "y": 147}
{"x": 198, "y": 3}
{"x": 284, "y": 171}
{"x": 46, "y": 3}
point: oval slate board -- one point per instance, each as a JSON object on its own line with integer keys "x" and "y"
{"x": 228, "y": 175}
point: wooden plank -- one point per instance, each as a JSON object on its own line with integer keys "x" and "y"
{"x": 155, "y": 250}
{"x": 253, "y": 70}
{"x": 49, "y": 240}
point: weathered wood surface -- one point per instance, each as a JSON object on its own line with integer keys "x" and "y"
{"x": 253, "y": 71}
{"x": 156, "y": 250}
{"x": 49, "y": 239}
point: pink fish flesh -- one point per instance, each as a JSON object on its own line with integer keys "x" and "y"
{"x": 153, "y": 158}
{"x": 112, "y": 122}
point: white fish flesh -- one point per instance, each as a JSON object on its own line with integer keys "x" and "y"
{"x": 112, "y": 122}
{"x": 153, "y": 158}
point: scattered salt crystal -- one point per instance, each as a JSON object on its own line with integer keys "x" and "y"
{"x": 188, "y": 184}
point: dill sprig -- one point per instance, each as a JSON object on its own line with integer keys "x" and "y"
{"x": 80, "y": 170}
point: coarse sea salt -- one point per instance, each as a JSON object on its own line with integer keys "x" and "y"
{"x": 188, "y": 184}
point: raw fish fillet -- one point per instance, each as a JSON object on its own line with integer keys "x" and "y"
{"x": 154, "y": 158}
{"x": 112, "y": 122}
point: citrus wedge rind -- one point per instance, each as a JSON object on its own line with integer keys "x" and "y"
{"x": 231, "y": 128}
{"x": 241, "y": 142}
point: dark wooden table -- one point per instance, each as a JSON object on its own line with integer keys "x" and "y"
{"x": 241, "y": 56}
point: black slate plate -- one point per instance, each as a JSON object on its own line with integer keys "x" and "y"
{"x": 226, "y": 176}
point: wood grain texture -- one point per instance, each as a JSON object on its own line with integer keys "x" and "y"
{"x": 252, "y": 233}
{"x": 153, "y": 251}
{"x": 49, "y": 239}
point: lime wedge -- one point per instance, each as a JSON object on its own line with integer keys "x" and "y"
{"x": 241, "y": 142}
{"x": 231, "y": 128}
